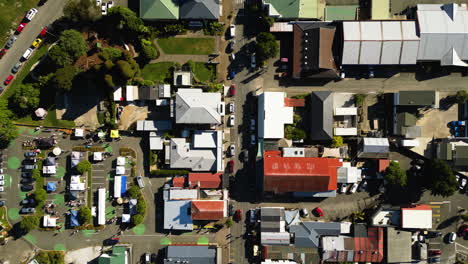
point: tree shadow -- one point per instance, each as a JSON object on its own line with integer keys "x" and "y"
{"x": 448, "y": 222}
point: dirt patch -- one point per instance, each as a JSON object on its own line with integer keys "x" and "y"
{"x": 82, "y": 256}
{"x": 131, "y": 114}
{"x": 434, "y": 122}
{"x": 88, "y": 119}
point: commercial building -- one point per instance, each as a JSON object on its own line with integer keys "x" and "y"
{"x": 398, "y": 246}
{"x": 192, "y": 254}
{"x": 273, "y": 114}
{"x": 416, "y": 217}
{"x": 101, "y": 213}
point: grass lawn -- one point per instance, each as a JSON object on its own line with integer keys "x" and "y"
{"x": 157, "y": 72}
{"x": 204, "y": 72}
{"x": 50, "y": 120}
{"x": 194, "y": 46}
{"x": 11, "y": 13}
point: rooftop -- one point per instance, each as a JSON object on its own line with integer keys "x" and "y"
{"x": 193, "y": 106}
{"x": 176, "y": 215}
{"x": 273, "y": 114}
{"x": 416, "y": 217}
{"x": 205, "y": 180}
{"x": 308, "y": 234}
{"x": 296, "y": 9}
{"x": 398, "y": 246}
{"x": 417, "y": 98}
{"x": 342, "y": 12}
{"x": 193, "y": 254}
{"x": 208, "y": 210}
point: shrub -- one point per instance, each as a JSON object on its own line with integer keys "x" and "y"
{"x": 84, "y": 214}
{"x": 461, "y": 96}
{"x": 109, "y": 81}
{"x": 108, "y": 65}
{"x": 214, "y": 28}
{"x": 229, "y": 222}
{"x": 141, "y": 206}
{"x": 134, "y": 192}
{"x": 50, "y": 257}
{"x": 337, "y": 142}
{"x": 148, "y": 50}
{"x": 394, "y": 175}
{"x": 36, "y": 174}
{"x": 294, "y": 133}
{"x": 359, "y": 99}
{"x": 29, "y": 223}
{"x": 168, "y": 172}
{"x": 125, "y": 70}
{"x": 137, "y": 219}
{"x": 110, "y": 54}
{"x": 63, "y": 78}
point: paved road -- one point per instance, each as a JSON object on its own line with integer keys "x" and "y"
{"x": 48, "y": 13}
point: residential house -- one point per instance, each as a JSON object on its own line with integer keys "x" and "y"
{"x": 208, "y": 210}
{"x": 193, "y": 106}
{"x": 453, "y": 150}
{"x": 273, "y": 114}
{"x": 182, "y": 9}
{"x": 316, "y": 177}
{"x": 374, "y": 148}
{"x": 398, "y": 246}
{"x": 273, "y": 226}
{"x": 193, "y": 254}
{"x": 156, "y": 129}
{"x": 332, "y": 114}
{"x": 159, "y": 9}
{"x": 416, "y": 217}
{"x": 119, "y": 254}
{"x": 308, "y": 234}
{"x": 204, "y": 180}
{"x": 300, "y": 9}
{"x": 75, "y": 158}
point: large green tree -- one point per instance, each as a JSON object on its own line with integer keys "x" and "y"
{"x": 73, "y": 43}
{"x": 148, "y": 50}
{"x": 127, "y": 21}
{"x": 82, "y": 11}
{"x": 26, "y": 98}
{"x": 83, "y": 166}
{"x": 8, "y": 130}
{"x": 267, "y": 46}
{"x": 59, "y": 56}
{"x": 125, "y": 70}
{"x": 63, "y": 78}
{"x": 29, "y": 223}
{"x": 137, "y": 219}
{"x": 440, "y": 178}
{"x": 84, "y": 214}
{"x": 394, "y": 175}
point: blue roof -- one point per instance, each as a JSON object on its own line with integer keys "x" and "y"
{"x": 176, "y": 215}
{"x": 123, "y": 189}
{"x": 51, "y": 186}
{"x": 74, "y": 218}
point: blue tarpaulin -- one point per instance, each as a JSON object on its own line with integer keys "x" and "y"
{"x": 51, "y": 186}
{"x": 74, "y": 218}
{"x": 124, "y": 185}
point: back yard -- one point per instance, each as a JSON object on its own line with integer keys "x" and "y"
{"x": 189, "y": 46}
{"x": 161, "y": 72}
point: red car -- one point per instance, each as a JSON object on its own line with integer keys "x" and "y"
{"x": 231, "y": 166}
{"x": 232, "y": 90}
{"x": 43, "y": 32}
{"x": 318, "y": 211}
{"x": 2, "y": 52}
{"x": 21, "y": 27}
{"x": 463, "y": 231}
{"x": 8, "y": 79}
{"x": 435, "y": 252}
{"x": 238, "y": 215}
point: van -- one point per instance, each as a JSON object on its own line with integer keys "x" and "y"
{"x": 31, "y": 13}
{"x": 27, "y": 54}
{"x": 140, "y": 182}
{"x": 232, "y": 31}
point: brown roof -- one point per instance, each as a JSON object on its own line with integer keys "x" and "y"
{"x": 289, "y": 102}
{"x": 178, "y": 182}
{"x": 207, "y": 210}
{"x": 205, "y": 180}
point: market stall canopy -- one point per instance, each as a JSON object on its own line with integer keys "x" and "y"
{"x": 101, "y": 134}
{"x": 49, "y": 221}
{"x": 40, "y": 112}
{"x": 121, "y": 161}
{"x": 51, "y": 186}
{"x": 74, "y": 218}
{"x": 114, "y": 133}
{"x": 57, "y": 151}
{"x": 97, "y": 156}
{"x": 120, "y": 170}
{"x": 125, "y": 218}
{"x": 49, "y": 169}
{"x": 79, "y": 132}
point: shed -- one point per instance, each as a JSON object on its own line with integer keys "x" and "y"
{"x": 120, "y": 170}
{"x": 374, "y": 148}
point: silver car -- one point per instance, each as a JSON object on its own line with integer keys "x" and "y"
{"x": 10, "y": 42}
{"x": 16, "y": 68}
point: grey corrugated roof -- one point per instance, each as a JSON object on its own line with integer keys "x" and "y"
{"x": 398, "y": 246}
{"x": 307, "y": 234}
{"x": 270, "y": 218}
{"x": 192, "y": 254}
{"x": 445, "y": 151}
{"x": 176, "y": 215}
{"x": 199, "y": 9}
{"x": 192, "y": 106}
{"x": 321, "y": 127}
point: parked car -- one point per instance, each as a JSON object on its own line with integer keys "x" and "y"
{"x": 30, "y": 167}
{"x": 36, "y": 43}
{"x": 433, "y": 234}
{"x": 27, "y": 210}
{"x": 26, "y": 174}
{"x": 10, "y": 41}
{"x": 26, "y": 188}
{"x": 245, "y": 155}
{"x": 231, "y": 121}
{"x": 252, "y": 216}
{"x": 16, "y": 68}
{"x": 31, "y": 13}
{"x": 231, "y": 166}
{"x": 232, "y": 150}
{"x": 103, "y": 9}
{"x": 231, "y": 107}
{"x": 2, "y": 182}
{"x": 462, "y": 184}
{"x": 318, "y": 211}
{"x": 20, "y": 28}
{"x": 238, "y": 215}
{"x": 43, "y": 32}
{"x": 232, "y": 75}
{"x": 231, "y": 45}
{"x": 26, "y": 181}
{"x": 2, "y": 177}
{"x": 29, "y": 202}
{"x": 110, "y": 4}
{"x": 304, "y": 212}
{"x": 2, "y": 53}
{"x": 8, "y": 79}
{"x": 232, "y": 90}
{"x": 434, "y": 260}
{"x": 252, "y": 124}
{"x": 2, "y": 203}
{"x": 98, "y": 2}
{"x": 147, "y": 258}
{"x": 451, "y": 237}
{"x": 253, "y": 140}
{"x": 232, "y": 31}
{"x": 362, "y": 186}
{"x": 463, "y": 231}
{"x": 2, "y": 189}
{"x": 27, "y": 54}
{"x": 435, "y": 252}
{"x": 30, "y": 154}
{"x": 253, "y": 62}
{"x": 353, "y": 188}
{"x": 343, "y": 187}
{"x": 140, "y": 182}
{"x": 232, "y": 57}
{"x": 30, "y": 161}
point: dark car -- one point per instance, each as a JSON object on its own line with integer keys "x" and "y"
{"x": 463, "y": 231}
{"x": 28, "y": 202}
{"x": 27, "y": 210}
{"x": 238, "y": 215}
{"x": 2, "y": 203}
{"x": 434, "y": 260}
{"x": 231, "y": 210}
{"x": 245, "y": 155}
{"x": 26, "y": 174}
{"x": 26, "y": 181}
{"x": 433, "y": 234}
{"x": 27, "y": 188}
{"x": 30, "y": 154}
{"x": 16, "y": 68}
{"x": 232, "y": 75}
{"x": 10, "y": 42}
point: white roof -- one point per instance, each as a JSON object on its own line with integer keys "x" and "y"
{"x": 204, "y": 139}
{"x": 49, "y": 169}
{"x": 79, "y": 132}
{"x": 121, "y": 161}
{"x": 281, "y": 27}
{"x": 330, "y": 243}
{"x": 101, "y": 213}
{"x": 49, "y": 221}
{"x": 117, "y": 186}
{"x": 275, "y": 238}
{"x": 293, "y": 152}
{"x": 125, "y": 218}
{"x": 164, "y": 90}
{"x": 75, "y": 179}
{"x": 416, "y": 218}
{"x": 97, "y": 156}
{"x": 371, "y": 30}
{"x": 376, "y": 142}
{"x": 183, "y": 194}
{"x": 348, "y": 175}
{"x": 129, "y": 92}
{"x": 345, "y": 131}
{"x": 77, "y": 186}
{"x": 341, "y": 111}
{"x": 273, "y": 115}
{"x": 118, "y": 94}
{"x": 156, "y": 143}
{"x": 120, "y": 170}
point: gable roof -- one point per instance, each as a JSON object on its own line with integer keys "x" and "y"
{"x": 159, "y": 9}
{"x": 182, "y": 156}
{"x": 193, "y": 106}
{"x": 273, "y": 114}
{"x": 321, "y": 127}
{"x": 200, "y": 9}
{"x": 296, "y": 9}
{"x": 178, "y": 182}
{"x": 204, "y": 180}
{"x": 461, "y": 155}
{"x": 307, "y": 234}
{"x": 208, "y": 210}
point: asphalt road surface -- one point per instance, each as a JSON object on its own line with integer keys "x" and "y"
{"x": 47, "y": 14}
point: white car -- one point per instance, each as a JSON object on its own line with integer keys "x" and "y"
{"x": 231, "y": 107}
{"x": 1, "y": 189}
{"x": 353, "y": 187}
{"x": 231, "y": 120}
{"x": 98, "y": 2}
{"x": 232, "y": 56}
{"x": 452, "y": 237}
{"x": 27, "y": 53}
{"x": 343, "y": 187}
{"x": 252, "y": 124}
{"x": 252, "y": 139}
{"x": 232, "y": 150}
{"x": 104, "y": 9}
{"x": 2, "y": 182}
{"x": 462, "y": 184}
{"x": 110, "y": 4}
{"x": 253, "y": 62}
{"x": 31, "y": 13}
{"x": 232, "y": 30}
{"x": 2, "y": 177}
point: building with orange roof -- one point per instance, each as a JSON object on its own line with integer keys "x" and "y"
{"x": 416, "y": 217}
{"x": 178, "y": 182}
{"x": 205, "y": 180}
{"x": 314, "y": 176}
{"x": 208, "y": 210}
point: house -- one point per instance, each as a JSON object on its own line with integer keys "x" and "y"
{"x": 193, "y": 106}
{"x": 384, "y": 217}
{"x": 398, "y": 246}
{"x": 205, "y": 180}
{"x": 273, "y": 226}
{"x": 75, "y": 158}
{"x": 159, "y": 126}
{"x": 374, "y": 148}
{"x": 417, "y": 99}
{"x": 208, "y": 210}
{"x": 443, "y": 32}
{"x": 273, "y": 114}
{"x": 314, "y": 176}
{"x": 301, "y": 9}
{"x": 341, "y": 12}
{"x": 183, "y": 9}
{"x": 308, "y": 234}
{"x": 205, "y": 153}
{"x": 193, "y": 254}
{"x": 313, "y": 53}
{"x": 285, "y": 254}
{"x": 455, "y": 151}
{"x": 332, "y": 114}
{"x": 416, "y": 217}
{"x": 183, "y": 78}
{"x": 119, "y": 254}
{"x": 379, "y": 42}
{"x": 159, "y": 9}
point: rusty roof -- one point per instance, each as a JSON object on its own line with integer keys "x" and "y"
{"x": 207, "y": 210}
{"x": 205, "y": 180}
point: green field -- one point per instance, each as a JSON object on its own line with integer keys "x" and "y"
{"x": 11, "y": 13}
{"x": 188, "y": 46}
{"x": 50, "y": 120}
{"x": 157, "y": 72}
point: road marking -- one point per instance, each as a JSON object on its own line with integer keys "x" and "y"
{"x": 436, "y": 215}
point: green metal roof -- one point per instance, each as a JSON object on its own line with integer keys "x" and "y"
{"x": 298, "y": 8}
{"x": 461, "y": 155}
{"x": 159, "y": 9}
{"x": 117, "y": 256}
{"x": 347, "y": 12}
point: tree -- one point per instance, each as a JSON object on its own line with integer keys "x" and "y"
{"x": 8, "y": 130}
{"x": 461, "y": 96}
{"x": 267, "y": 47}
{"x": 63, "y": 78}
{"x": 148, "y": 50}
{"x": 26, "y": 98}
{"x": 127, "y": 21}
{"x": 82, "y": 11}
{"x": 59, "y": 56}
{"x": 294, "y": 133}
{"x": 141, "y": 206}
{"x": 83, "y": 166}
{"x": 134, "y": 192}
{"x": 337, "y": 142}
{"x": 40, "y": 195}
{"x": 36, "y": 174}
{"x": 84, "y": 214}
{"x": 29, "y": 223}
{"x": 72, "y": 42}
{"x": 109, "y": 81}
{"x": 394, "y": 175}
{"x": 50, "y": 257}
{"x": 125, "y": 70}
{"x": 110, "y": 53}
{"x": 137, "y": 219}
{"x": 440, "y": 178}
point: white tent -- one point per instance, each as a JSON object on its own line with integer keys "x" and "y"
{"x": 97, "y": 156}
{"x": 77, "y": 186}
{"x": 79, "y": 132}
{"x": 101, "y": 206}
{"x": 121, "y": 161}
{"x": 120, "y": 170}
{"x": 49, "y": 221}
{"x": 41, "y": 113}
{"x": 117, "y": 186}
{"x": 57, "y": 151}
{"x": 125, "y": 218}
{"x": 49, "y": 169}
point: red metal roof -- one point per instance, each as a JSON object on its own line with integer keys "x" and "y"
{"x": 294, "y": 102}
{"x": 383, "y": 164}
{"x": 207, "y": 210}
{"x": 205, "y": 180}
{"x": 370, "y": 248}
{"x": 299, "y": 174}
{"x": 178, "y": 182}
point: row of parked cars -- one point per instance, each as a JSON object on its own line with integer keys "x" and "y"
{"x": 27, "y": 181}
{"x": 352, "y": 188}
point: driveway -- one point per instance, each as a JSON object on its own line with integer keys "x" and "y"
{"x": 47, "y": 14}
